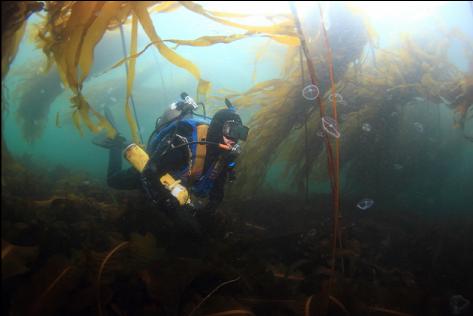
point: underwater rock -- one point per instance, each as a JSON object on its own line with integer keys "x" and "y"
{"x": 458, "y": 304}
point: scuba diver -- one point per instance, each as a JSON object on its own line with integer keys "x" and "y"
{"x": 187, "y": 161}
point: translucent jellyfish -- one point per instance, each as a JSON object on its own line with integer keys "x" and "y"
{"x": 330, "y": 126}
{"x": 62, "y": 86}
{"x": 338, "y": 98}
{"x": 398, "y": 166}
{"x": 365, "y": 204}
{"x": 419, "y": 127}
{"x": 312, "y": 232}
{"x": 458, "y": 304}
{"x": 310, "y": 92}
{"x": 394, "y": 114}
{"x": 42, "y": 91}
{"x": 366, "y": 127}
{"x": 113, "y": 99}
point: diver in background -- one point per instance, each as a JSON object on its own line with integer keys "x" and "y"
{"x": 189, "y": 151}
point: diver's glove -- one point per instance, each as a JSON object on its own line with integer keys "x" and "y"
{"x": 177, "y": 190}
{"x": 109, "y": 143}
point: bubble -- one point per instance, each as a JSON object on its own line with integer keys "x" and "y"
{"x": 458, "y": 304}
{"x": 419, "y": 127}
{"x": 366, "y": 127}
{"x": 365, "y": 204}
{"x": 311, "y": 92}
{"x": 330, "y": 126}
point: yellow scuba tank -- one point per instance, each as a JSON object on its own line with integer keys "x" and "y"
{"x": 136, "y": 156}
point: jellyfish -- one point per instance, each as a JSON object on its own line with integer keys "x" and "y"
{"x": 365, "y": 204}
{"x": 398, "y": 166}
{"x": 310, "y": 92}
{"x": 366, "y": 127}
{"x": 330, "y": 126}
{"x": 419, "y": 127}
{"x": 338, "y": 98}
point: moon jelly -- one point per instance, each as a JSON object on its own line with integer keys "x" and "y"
{"x": 366, "y": 127}
{"x": 365, "y": 204}
{"x": 419, "y": 127}
{"x": 310, "y": 92}
{"x": 338, "y": 98}
{"x": 330, "y": 126}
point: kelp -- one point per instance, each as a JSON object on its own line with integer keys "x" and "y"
{"x": 14, "y": 16}
{"x": 49, "y": 288}
{"x": 394, "y": 77}
{"x": 71, "y": 30}
{"x": 126, "y": 257}
{"x": 36, "y": 94}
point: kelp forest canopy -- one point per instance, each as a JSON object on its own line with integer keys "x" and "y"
{"x": 355, "y": 76}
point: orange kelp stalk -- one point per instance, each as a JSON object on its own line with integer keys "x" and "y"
{"x": 333, "y": 165}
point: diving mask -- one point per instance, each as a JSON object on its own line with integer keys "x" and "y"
{"x": 235, "y": 130}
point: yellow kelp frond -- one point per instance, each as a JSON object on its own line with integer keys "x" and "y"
{"x": 258, "y": 56}
{"x": 286, "y": 39}
{"x": 130, "y": 79}
{"x": 14, "y": 16}
{"x": 283, "y": 28}
{"x": 76, "y": 121}
{"x": 210, "y": 40}
{"x": 165, "y": 6}
{"x": 82, "y": 112}
{"x": 35, "y": 95}
{"x": 203, "y": 89}
{"x": 94, "y": 35}
{"x": 145, "y": 21}
{"x": 201, "y": 41}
